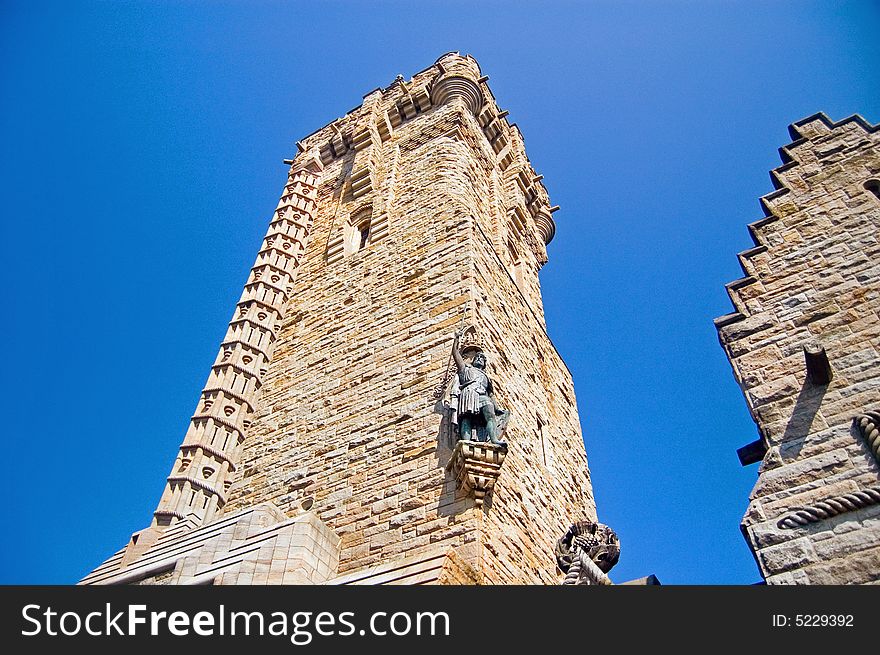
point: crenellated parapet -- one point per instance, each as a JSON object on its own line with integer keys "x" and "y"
{"x": 475, "y": 467}
{"x": 366, "y": 138}
{"x": 200, "y": 479}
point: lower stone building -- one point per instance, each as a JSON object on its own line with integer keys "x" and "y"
{"x": 804, "y": 344}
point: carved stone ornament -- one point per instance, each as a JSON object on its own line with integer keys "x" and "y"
{"x": 586, "y": 553}
{"x": 868, "y": 425}
{"x": 452, "y": 87}
{"x": 830, "y": 507}
{"x": 476, "y": 466}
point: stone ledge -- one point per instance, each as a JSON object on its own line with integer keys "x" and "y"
{"x": 303, "y": 550}
{"x": 436, "y": 565}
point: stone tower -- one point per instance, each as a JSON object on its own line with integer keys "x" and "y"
{"x": 322, "y": 448}
{"x": 804, "y": 344}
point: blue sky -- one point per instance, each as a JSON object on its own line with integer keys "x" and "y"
{"x": 141, "y": 161}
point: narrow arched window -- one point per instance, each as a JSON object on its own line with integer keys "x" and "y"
{"x": 364, "y": 230}
{"x": 359, "y": 230}
{"x": 873, "y": 186}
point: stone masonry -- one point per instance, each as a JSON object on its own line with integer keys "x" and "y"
{"x": 413, "y": 215}
{"x": 811, "y": 292}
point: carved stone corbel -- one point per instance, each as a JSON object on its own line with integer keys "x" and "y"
{"x": 476, "y": 466}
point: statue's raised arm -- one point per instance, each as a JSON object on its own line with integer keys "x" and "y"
{"x": 456, "y": 353}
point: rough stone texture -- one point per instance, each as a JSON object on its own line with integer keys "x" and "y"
{"x": 412, "y": 214}
{"x": 814, "y": 275}
{"x": 347, "y": 400}
{"x": 200, "y": 478}
{"x": 437, "y": 565}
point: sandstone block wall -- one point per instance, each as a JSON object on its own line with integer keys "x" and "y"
{"x": 814, "y": 276}
{"x": 429, "y": 215}
{"x": 413, "y": 215}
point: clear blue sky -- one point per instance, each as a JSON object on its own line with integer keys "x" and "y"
{"x": 141, "y": 161}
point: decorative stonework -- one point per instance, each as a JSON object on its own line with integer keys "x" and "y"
{"x": 869, "y": 427}
{"x": 454, "y": 86}
{"x": 545, "y": 224}
{"x": 825, "y": 509}
{"x": 476, "y": 467}
{"x": 586, "y": 553}
{"x": 459, "y": 79}
{"x": 215, "y": 439}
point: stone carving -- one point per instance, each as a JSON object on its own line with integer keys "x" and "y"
{"x": 829, "y": 507}
{"x": 869, "y": 427}
{"x": 473, "y": 403}
{"x": 586, "y": 553}
{"x": 476, "y": 467}
{"x": 459, "y": 81}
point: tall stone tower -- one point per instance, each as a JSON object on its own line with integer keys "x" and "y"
{"x": 323, "y": 447}
{"x": 804, "y": 344}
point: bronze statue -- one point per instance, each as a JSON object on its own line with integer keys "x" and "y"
{"x": 476, "y": 408}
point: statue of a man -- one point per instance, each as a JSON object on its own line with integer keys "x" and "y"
{"x": 476, "y": 402}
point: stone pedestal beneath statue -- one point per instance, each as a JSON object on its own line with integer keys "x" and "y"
{"x": 476, "y": 465}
